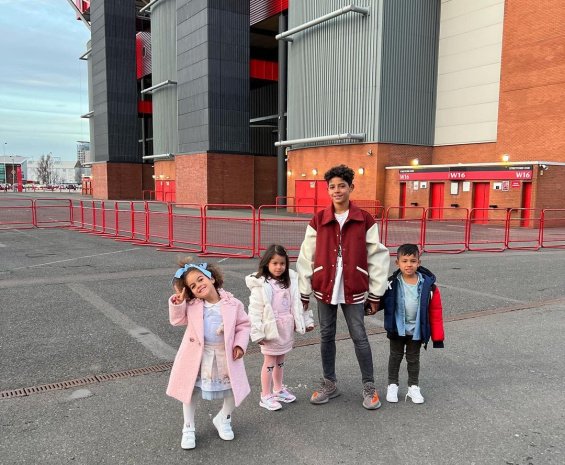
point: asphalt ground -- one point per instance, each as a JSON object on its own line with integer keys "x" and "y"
{"x": 73, "y": 305}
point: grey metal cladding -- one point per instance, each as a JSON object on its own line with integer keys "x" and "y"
{"x": 333, "y": 73}
{"x": 410, "y": 34}
{"x": 213, "y": 75}
{"x": 114, "y": 89}
{"x": 164, "y": 67}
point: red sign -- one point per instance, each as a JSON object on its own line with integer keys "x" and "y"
{"x": 468, "y": 174}
{"x": 515, "y": 184}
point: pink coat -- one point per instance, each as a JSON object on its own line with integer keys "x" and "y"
{"x": 189, "y": 356}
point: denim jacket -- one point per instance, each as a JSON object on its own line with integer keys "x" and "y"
{"x": 429, "y": 322}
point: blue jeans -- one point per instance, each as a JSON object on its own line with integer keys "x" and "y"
{"x": 355, "y": 317}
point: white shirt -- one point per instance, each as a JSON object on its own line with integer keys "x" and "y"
{"x": 338, "y": 293}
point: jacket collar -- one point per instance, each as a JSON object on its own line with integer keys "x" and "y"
{"x": 355, "y": 214}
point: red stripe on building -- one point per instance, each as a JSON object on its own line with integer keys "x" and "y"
{"x": 261, "y": 69}
{"x": 145, "y": 106}
{"x": 263, "y": 9}
{"x": 525, "y": 175}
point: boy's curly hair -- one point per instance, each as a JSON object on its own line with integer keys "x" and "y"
{"x": 180, "y": 283}
{"x": 341, "y": 171}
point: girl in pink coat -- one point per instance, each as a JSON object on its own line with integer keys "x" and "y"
{"x": 210, "y": 355}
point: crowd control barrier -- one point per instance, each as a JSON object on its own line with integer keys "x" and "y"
{"x": 242, "y": 231}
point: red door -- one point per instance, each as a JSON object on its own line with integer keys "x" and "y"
{"x": 481, "y": 191}
{"x": 526, "y": 203}
{"x": 436, "y": 200}
{"x": 305, "y": 195}
{"x": 322, "y": 196}
{"x": 402, "y": 200}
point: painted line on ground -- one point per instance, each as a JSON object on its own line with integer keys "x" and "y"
{"x": 481, "y": 294}
{"x": 76, "y": 258}
{"x": 149, "y": 340}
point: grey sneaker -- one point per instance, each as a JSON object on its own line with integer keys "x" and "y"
{"x": 327, "y": 390}
{"x": 370, "y": 397}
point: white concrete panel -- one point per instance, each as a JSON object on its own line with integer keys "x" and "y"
{"x": 472, "y": 114}
{"x": 472, "y": 21}
{"x": 470, "y": 40}
{"x": 469, "y": 133}
{"x": 469, "y": 60}
{"x": 468, "y": 96}
{"x": 454, "y": 8}
{"x": 472, "y": 77}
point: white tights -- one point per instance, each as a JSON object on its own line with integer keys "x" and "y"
{"x": 189, "y": 409}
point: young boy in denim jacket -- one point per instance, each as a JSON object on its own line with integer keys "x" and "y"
{"x": 413, "y": 313}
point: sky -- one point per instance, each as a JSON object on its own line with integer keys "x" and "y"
{"x": 43, "y": 84}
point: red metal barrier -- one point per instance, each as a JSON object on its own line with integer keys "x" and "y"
{"x": 408, "y": 229}
{"x": 185, "y": 227}
{"x": 52, "y": 213}
{"x": 280, "y": 225}
{"x": 159, "y": 217}
{"x": 523, "y": 229}
{"x": 16, "y": 213}
{"x": 487, "y": 229}
{"x": 553, "y": 228}
{"x": 445, "y": 230}
{"x": 140, "y": 225}
{"x": 123, "y": 213}
{"x": 221, "y": 218}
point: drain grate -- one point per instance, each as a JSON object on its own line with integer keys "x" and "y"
{"x": 253, "y": 349}
{"x": 22, "y": 392}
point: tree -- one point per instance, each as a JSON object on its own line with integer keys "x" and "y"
{"x": 45, "y": 169}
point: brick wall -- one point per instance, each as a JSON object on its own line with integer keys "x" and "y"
{"x": 531, "y": 122}
{"x": 191, "y": 178}
{"x": 117, "y": 181}
{"x": 466, "y": 153}
{"x": 265, "y": 175}
{"x": 371, "y": 157}
{"x": 214, "y": 178}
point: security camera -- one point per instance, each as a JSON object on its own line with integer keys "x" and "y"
{"x": 543, "y": 167}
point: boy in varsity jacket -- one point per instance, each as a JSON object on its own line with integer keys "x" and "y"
{"x": 343, "y": 263}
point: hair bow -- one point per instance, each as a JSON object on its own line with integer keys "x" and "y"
{"x": 199, "y": 266}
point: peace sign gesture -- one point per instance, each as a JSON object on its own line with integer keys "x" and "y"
{"x": 180, "y": 296}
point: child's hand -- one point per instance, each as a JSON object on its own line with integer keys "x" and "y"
{"x": 237, "y": 353}
{"x": 371, "y": 307}
{"x": 309, "y": 328}
{"x": 179, "y": 297}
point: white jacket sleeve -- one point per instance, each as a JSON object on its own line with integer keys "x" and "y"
{"x": 305, "y": 263}
{"x": 256, "y": 306}
{"x": 378, "y": 259}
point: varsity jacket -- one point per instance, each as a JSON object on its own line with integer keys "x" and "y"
{"x": 431, "y": 311}
{"x": 365, "y": 260}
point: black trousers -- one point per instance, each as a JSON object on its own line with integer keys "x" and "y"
{"x": 397, "y": 348}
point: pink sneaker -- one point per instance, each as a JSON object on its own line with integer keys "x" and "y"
{"x": 284, "y": 395}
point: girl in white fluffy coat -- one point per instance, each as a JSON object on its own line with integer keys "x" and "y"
{"x": 275, "y": 311}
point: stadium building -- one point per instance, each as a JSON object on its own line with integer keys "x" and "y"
{"x": 434, "y": 103}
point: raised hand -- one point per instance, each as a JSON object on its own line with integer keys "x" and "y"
{"x": 180, "y": 296}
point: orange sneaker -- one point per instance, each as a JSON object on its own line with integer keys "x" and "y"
{"x": 370, "y": 397}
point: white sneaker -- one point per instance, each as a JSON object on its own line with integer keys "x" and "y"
{"x": 188, "y": 438}
{"x": 392, "y": 393}
{"x": 270, "y": 402}
{"x": 223, "y": 425}
{"x": 414, "y": 394}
